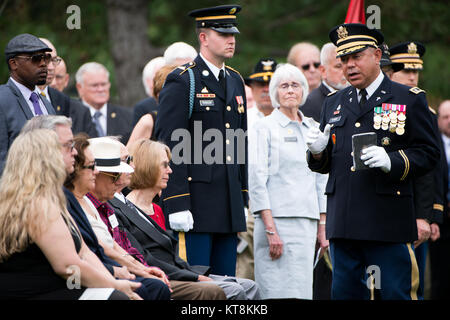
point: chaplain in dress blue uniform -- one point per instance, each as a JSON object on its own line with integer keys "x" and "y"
{"x": 371, "y": 221}
{"x": 203, "y": 119}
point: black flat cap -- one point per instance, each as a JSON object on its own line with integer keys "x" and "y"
{"x": 24, "y": 43}
{"x": 354, "y": 37}
{"x": 220, "y": 18}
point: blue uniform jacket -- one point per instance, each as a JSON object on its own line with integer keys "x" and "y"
{"x": 214, "y": 191}
{"x": 370, "y": 204}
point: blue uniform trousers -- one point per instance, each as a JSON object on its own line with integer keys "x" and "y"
{"x": 217, "y": 250}
{"x": 393, "y": 267}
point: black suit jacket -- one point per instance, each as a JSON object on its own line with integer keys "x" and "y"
{"x": 157, "y": 246}
{"x": 119, "y": 122}
{"x": 66, "y": 106}
{"x": 143, "y": 107}
{"x": 371, "y": 204}
{"x": 14, "y": 113}
{"x": 313, "y": 104}
{"x": 87, "y": 232}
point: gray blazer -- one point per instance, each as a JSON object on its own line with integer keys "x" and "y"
{"x": 14, "y": 113}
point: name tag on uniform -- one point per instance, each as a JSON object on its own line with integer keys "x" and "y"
{"x": 335, "y": 119}
{"x": 290, "y": 139}
{"x": 113, "y": 221}
{"x": 205, "y": 95}
{"x": 207, "y": 103}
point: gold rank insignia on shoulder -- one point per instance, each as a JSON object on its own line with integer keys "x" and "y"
{"x": 416, "y": 90}
{"x": 432, "y": 110}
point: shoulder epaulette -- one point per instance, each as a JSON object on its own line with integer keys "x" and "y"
{"x": 228, "y": 67}
{"x": 432, "y": 110}
{"x": 332, "y": 92}
{"x": 186, "y": 67}
{"x": 416, "y": 90}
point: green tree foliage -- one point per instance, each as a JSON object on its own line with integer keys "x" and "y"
{"x": 268, "y": 29}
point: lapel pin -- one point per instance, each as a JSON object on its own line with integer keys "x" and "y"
{"x": 113, "y": 115}
{"x": 205, "y": 73}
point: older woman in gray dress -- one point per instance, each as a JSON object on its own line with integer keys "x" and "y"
{"x": 286, "y": 196}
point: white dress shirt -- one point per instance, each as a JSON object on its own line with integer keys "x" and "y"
{"x": 213, "y": 68}
{"x": 103, "y": 110}
{"x": 372, "y": 87}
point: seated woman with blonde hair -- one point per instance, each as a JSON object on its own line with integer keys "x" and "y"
{"x": 42, "y": 253}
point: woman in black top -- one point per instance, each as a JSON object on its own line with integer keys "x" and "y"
{"x": 42, "y": 254}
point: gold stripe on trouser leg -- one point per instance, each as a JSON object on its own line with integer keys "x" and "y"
{"x": 182, "y": 246}
{"x": 372, "y": 287}
{"x": 414, "y": 273}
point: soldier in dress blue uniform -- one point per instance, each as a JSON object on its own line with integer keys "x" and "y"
{"x": 371, "y": 221}
{"x": 430, "y": 197}
{"x": 205, "y": 198}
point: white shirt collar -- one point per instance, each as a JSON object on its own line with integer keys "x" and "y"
{"x": 45, "y": 92}
{"x": 26, "y": 93}
{"x": 103, "y": 109}
{"x": 373, "y": 86}
{"x": 328, "y": 86}
{"x": 213, "y": 68}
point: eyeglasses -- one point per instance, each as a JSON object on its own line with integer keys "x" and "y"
{"x": 69, "y": 145}
{"x": 293, "y": 85}
{"x": 37, "y": 58}
{"x": 165, "y": 164}
{"x": 90, "y": 167}
{"x": 56, "y": 60}
{"x": 306, "y": 67}
{"x": 114, "y": 176}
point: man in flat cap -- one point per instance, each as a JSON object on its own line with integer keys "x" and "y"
{"x": 207, "y": 191}
{"x": 27, "y": 58}
{"x": 371, "y": 222}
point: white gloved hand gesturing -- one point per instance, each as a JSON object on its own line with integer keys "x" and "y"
{"x": 317, "y": 140}
{"x": 376, "y": 157}
{"x": 181, "y": 221}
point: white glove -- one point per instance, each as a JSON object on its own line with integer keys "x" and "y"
{"x": 317, "y": 140}
{"x": 376, "y": 157}
{"x": 181, "y": 221}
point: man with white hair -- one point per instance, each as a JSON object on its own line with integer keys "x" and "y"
{"x": 93, "y": 88}
{"x": 148, "y": 104}
{"x": 179, "y": 53}
{"x": 332, "y": 79}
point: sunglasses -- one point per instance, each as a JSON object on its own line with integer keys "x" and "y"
{"x": 114, "y": 176}
{"x": 128, "y": 159}
{"x": 307, "y": 66}
{"x": 90, "y": 167}
{"x": 37, "y": 58}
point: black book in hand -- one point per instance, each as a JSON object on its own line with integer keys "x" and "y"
{"x": 359, "y": 142}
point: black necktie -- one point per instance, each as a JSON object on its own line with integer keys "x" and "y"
{"x": 363, "y": 100}
{"x": 222, "y": 81}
